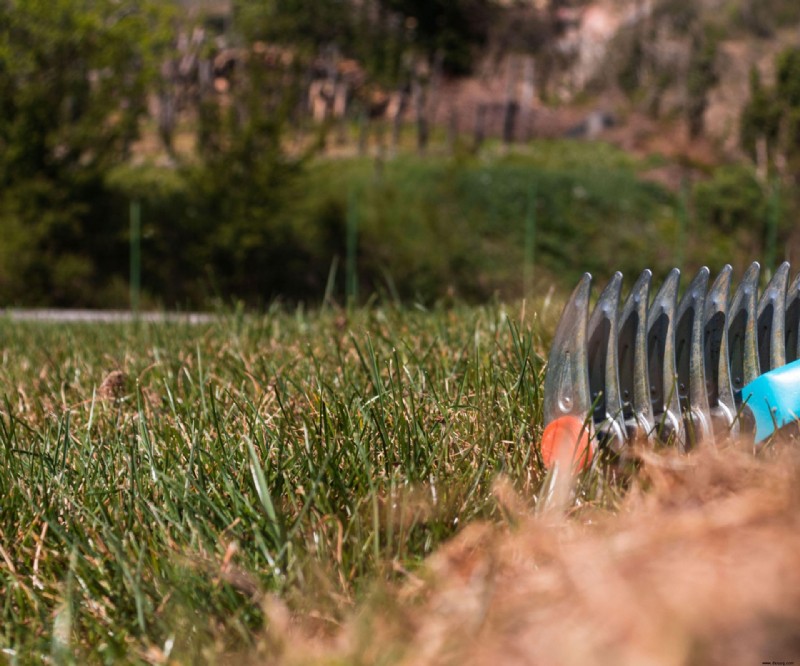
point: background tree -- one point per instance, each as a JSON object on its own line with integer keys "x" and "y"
{"x": 73, "y": 84}
{"x": 303, "y": 24}
{"x": 450, "y": 28}
{"x": 240, "y": 184}
{"x": 761, "y": 117}
{"x": 701, "y": 77}
{"x": 772, "y": 113}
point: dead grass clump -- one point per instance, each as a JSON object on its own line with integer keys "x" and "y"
{"x": 114, "y": 386}
{"x": 700, "y": 566}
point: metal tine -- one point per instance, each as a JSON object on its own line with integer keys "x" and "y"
{"x": 604, "y": 366}
{"x": 793, "y": 320}
{"x": 715, "y": 349}
{"x": 661, "y": 361}
{"x": 566, "y": 383}
{"x": 771, "y": 317}
{"x": 742, "y": 343}
{"x": 637, "y": 410}
{"x": 690, "y": 361}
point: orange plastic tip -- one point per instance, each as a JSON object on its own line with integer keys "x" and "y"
{"x": 566, "y": 440}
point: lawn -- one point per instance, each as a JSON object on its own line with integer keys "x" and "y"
{"x": 360, "y": 487}
{"x": 160, "y": 481}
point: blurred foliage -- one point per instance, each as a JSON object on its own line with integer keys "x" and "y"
{"x": 762, "y": 17}
{"x": 731, "y": 199}
{"x": 678, "y": 14}
{"x": 645, "y": 71}
{"x": 74, "y": 84}
{"x": 240, "y": 185}
{"x": 701, "y": 77}
{"x": 761, "y": 116}
{"x": 787, "y": 66}
{"x": 772, "y": 113}
{"x": 74, "y": 78}
{"x": 380, "y": 34}
{"x": 447, "y": 29}
{"x": 428, "y": 228}
{"x": 441, "y": 228}
{"x": 302, "y": 24}
{"x": 245, "y": 213}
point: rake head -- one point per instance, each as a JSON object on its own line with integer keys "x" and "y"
{"x": 669, "y": 370}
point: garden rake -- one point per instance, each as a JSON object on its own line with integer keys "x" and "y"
{"x": 680, "y": 372}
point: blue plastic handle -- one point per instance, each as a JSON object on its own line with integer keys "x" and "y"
{"x": 774, "y": 399}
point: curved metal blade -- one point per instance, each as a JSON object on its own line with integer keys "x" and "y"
{"x": 637, "y": 410}
{"x": 771, "y": 316}
{"x": 742, "y": 343}
{"x": 793, "y": 320}
{"x": 566, "y": 383}
{"x": 718, "y": 376}
{"x": 661, "y": 361}
{"x": 690, "y": 361}
{"x": 604, "y": 367}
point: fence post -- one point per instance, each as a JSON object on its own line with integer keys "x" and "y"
{"x": 683, "y": 221}
{"x": 363, "y": 133}
{"x": 530, "y": 241}
{"x": 351, "y": 281}
{"x": 773, "y": 217}
{"x": 135, "y": 253}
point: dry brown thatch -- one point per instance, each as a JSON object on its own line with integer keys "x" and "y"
{"x": 700, "y": 566}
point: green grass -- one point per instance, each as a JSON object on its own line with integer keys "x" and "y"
{"x": 306, "y": 455}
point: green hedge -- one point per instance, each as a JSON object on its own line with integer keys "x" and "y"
{"x": 427, "y": 229}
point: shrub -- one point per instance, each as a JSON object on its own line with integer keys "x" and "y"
{"x": 731, "y": 199}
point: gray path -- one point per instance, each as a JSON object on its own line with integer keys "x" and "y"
{"x": 105, "y": 316}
